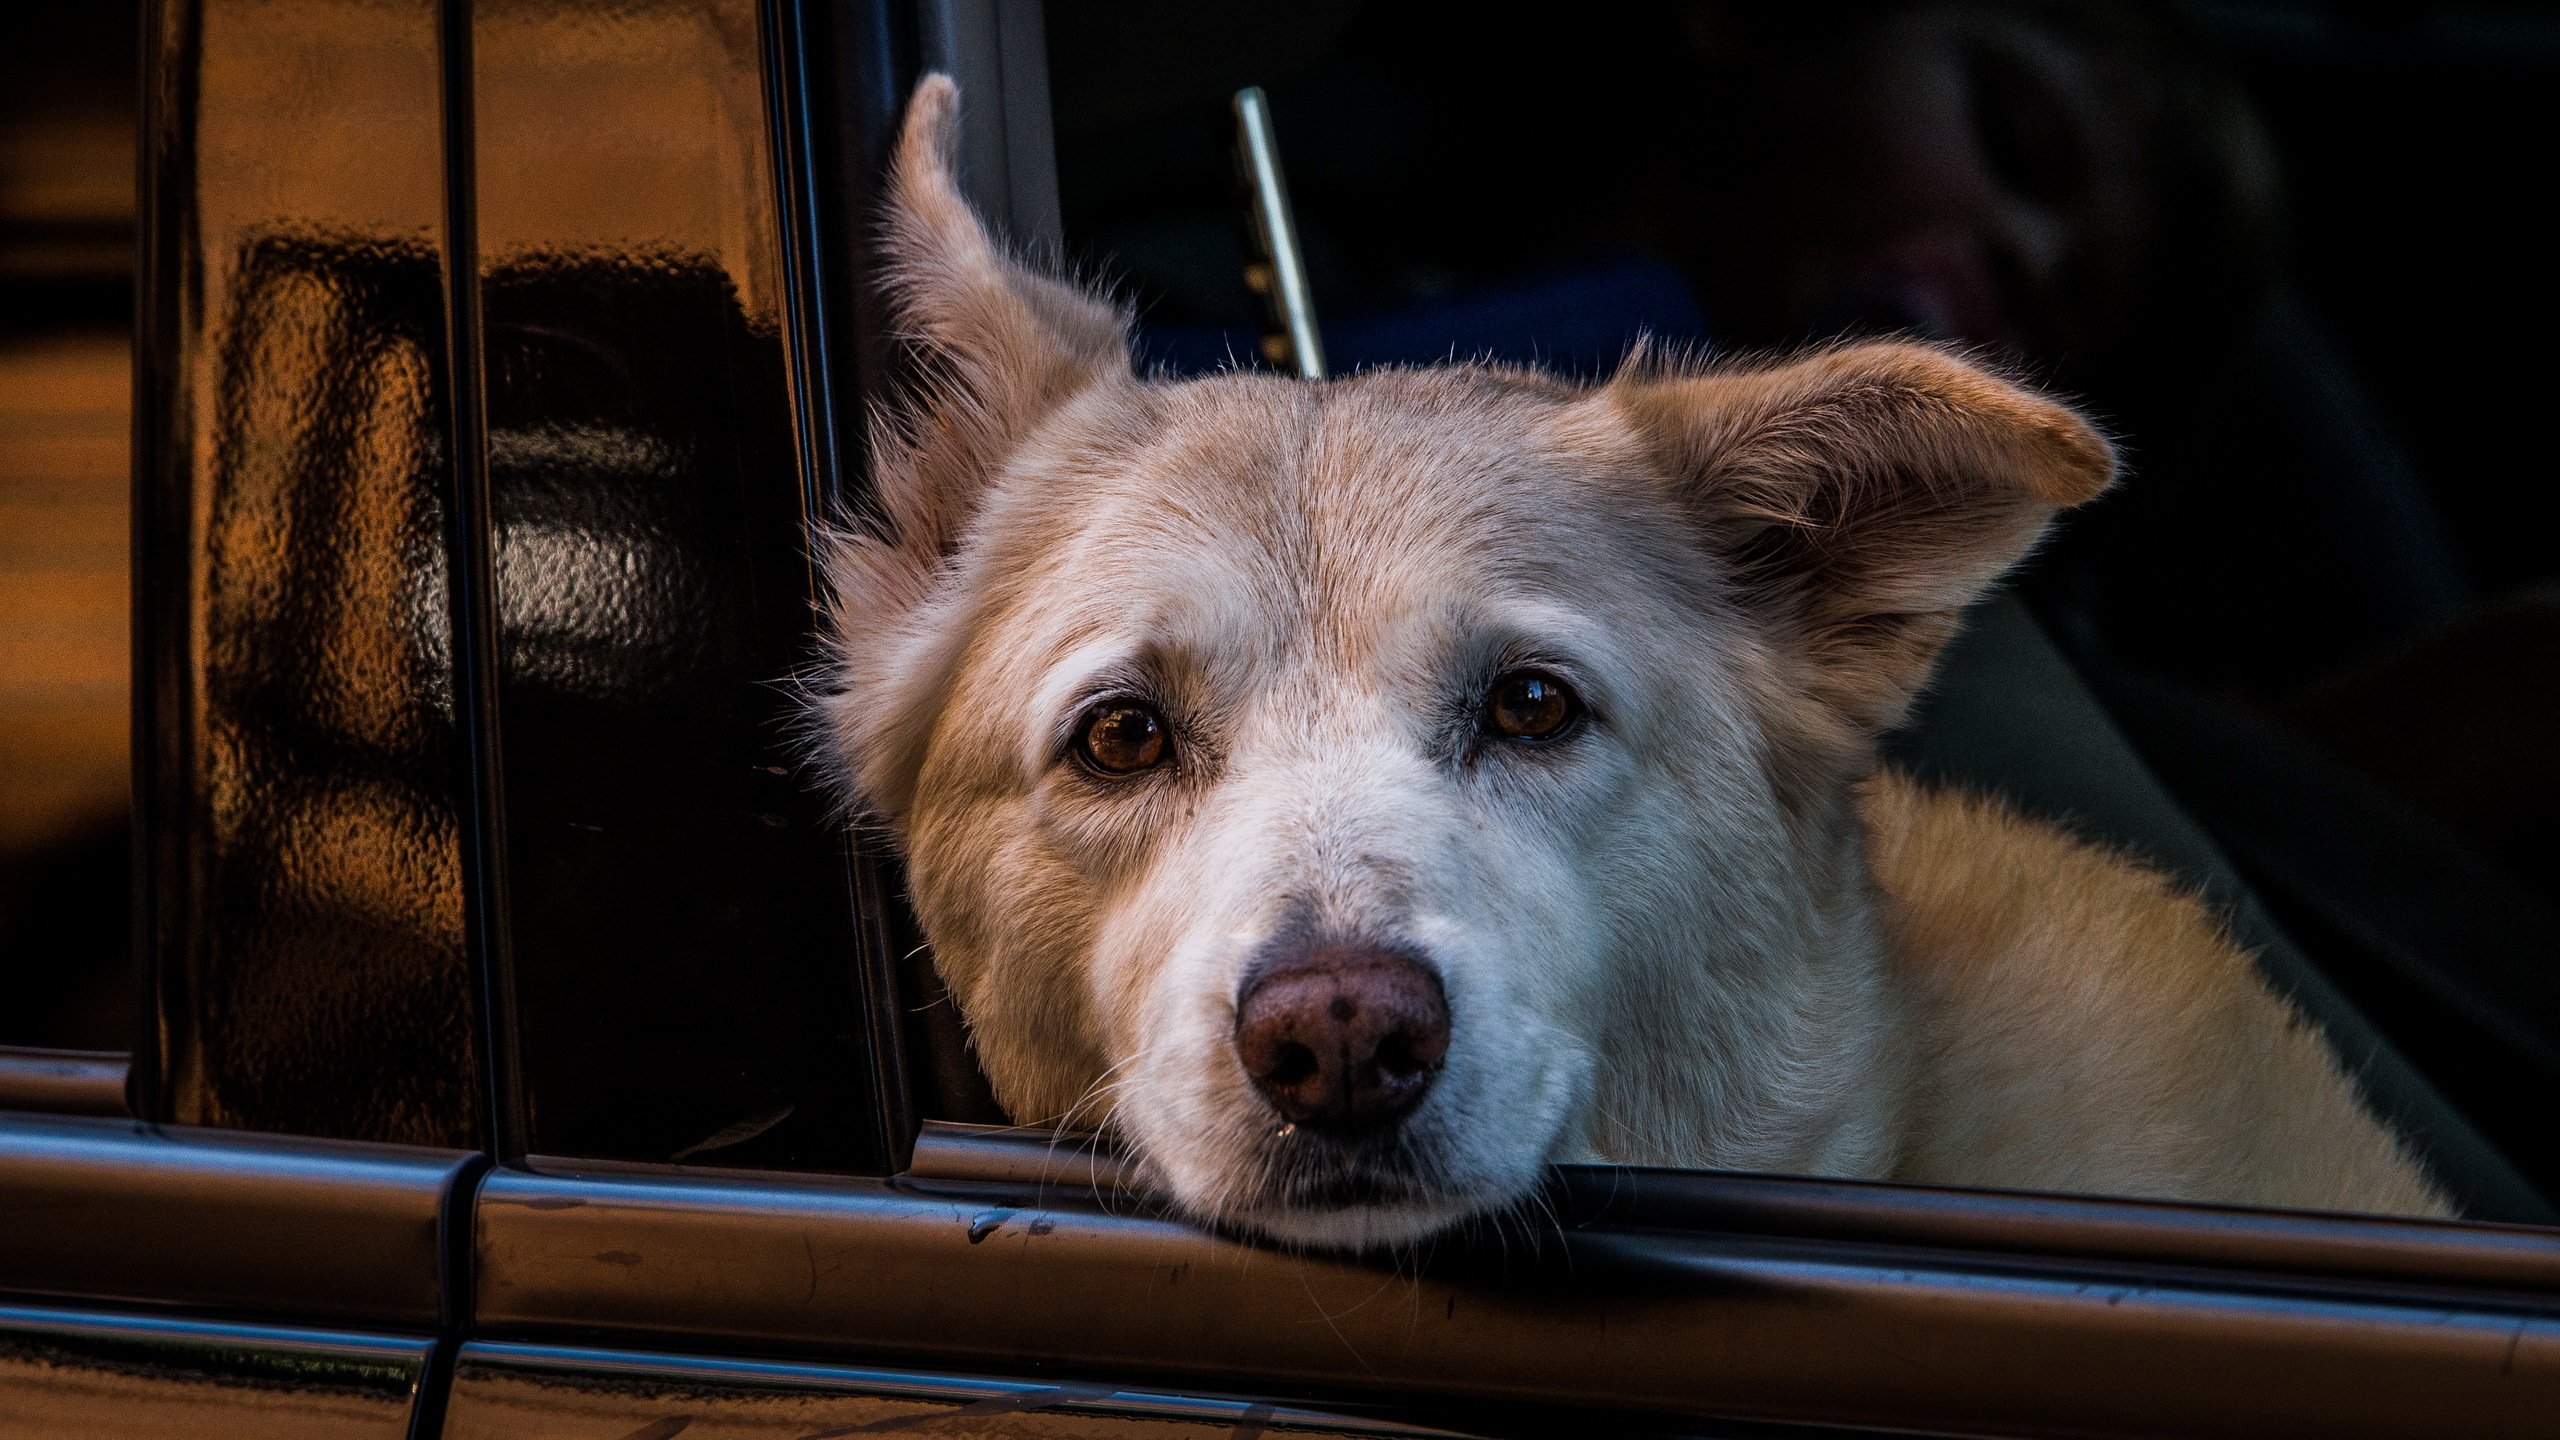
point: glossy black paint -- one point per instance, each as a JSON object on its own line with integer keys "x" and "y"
{"x": 477, "y": 672}
{"x": 835, "y": 75}
{"x": 113, "y": 1210}
{"x": 839, "y": 75}
{"x": 683, "y": 957}
{"x": 471, "y": 599}
{"x": 300, "y": 890}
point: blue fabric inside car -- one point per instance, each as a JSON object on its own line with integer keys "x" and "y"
{"x": 1575, "y": 321}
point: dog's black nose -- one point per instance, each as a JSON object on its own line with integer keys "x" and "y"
{"x": 1341, "y": 1035}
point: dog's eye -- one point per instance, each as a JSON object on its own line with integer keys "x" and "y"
{"x": 1527, "y": 705}
{"x": 1122, "y": 738}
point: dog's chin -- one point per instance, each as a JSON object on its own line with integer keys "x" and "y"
{"x": 1383, "y": 1224}
{"x": 1317, "y": 1194}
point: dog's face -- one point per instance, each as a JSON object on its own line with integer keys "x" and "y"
{"x": 1406, "y": 696}
{"x": 1332, "y": 787}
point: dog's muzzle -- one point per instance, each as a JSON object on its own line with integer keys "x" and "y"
{"x": 1341, "y": 1037}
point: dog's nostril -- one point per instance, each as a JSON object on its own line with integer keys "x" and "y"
{"x": 1341, "y": 1035}
{"x": 1396, "y": 1058}
{"x": 1296, "y": 1063}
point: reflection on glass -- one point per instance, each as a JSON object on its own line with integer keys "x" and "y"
{"x": 310, "y": 931}
{"x": 680, "y": 932}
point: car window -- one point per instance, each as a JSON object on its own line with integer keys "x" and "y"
{"x": 686, "y": 974}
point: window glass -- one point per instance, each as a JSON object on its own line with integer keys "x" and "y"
{"x": 679, "y": 926}
{"x": 303, "y": 773}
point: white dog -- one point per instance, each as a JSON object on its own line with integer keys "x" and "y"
{"x": 1359, "y": 794}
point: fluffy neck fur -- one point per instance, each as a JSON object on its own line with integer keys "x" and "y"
{"x": 1828, "y": 1029}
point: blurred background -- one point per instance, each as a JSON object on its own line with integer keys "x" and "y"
{"x": 2289, "y": 253}
{"x": 68, "y": 112}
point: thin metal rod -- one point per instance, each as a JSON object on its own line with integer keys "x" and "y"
{"x": 1281, "y": 274}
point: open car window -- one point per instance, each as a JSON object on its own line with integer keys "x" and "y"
{"x": 2132, "y": 206}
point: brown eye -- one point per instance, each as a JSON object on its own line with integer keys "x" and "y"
{"x": 1120, "y": 738}
{"x": 1526, "y": 705}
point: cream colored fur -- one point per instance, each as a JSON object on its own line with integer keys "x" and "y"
{"x": 2084, "y": 1025}
{"x": 1703, "y": 929}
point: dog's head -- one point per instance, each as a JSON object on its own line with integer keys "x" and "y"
{"x": 1348, "y": 792}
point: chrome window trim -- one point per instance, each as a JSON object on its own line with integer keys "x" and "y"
{"x": 2079, "y": 1227}
{"x": 389, "y": 1352}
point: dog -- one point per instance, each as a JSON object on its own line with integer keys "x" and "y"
{"x": 1357, "y": 795}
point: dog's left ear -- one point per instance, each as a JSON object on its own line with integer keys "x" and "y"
{"x": 1866, "y": 495}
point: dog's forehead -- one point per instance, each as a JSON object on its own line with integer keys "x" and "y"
{"x": 1394, "y": 522}
{"x": 1358, "y": 490}
{"x": 1385, "y": 522}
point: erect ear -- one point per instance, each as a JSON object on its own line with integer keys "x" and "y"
{"x": 1865, "y": 495}
{"x": 998, "y": 346}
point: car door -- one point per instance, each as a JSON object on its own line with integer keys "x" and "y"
{"x": 237, "y": 1252}
{"x": 531, "y": 1053}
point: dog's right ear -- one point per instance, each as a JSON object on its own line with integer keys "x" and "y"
{"x": 998, "y": 346}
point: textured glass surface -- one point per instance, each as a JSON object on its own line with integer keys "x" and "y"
{"x": 65, "y": 1375}
{"x": 307, "y": 878}
{"x": 681, "y": 935}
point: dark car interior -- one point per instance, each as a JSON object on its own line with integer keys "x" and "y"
{"x": 2283, "y": 252}
{"x": 2257, "y": 242}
